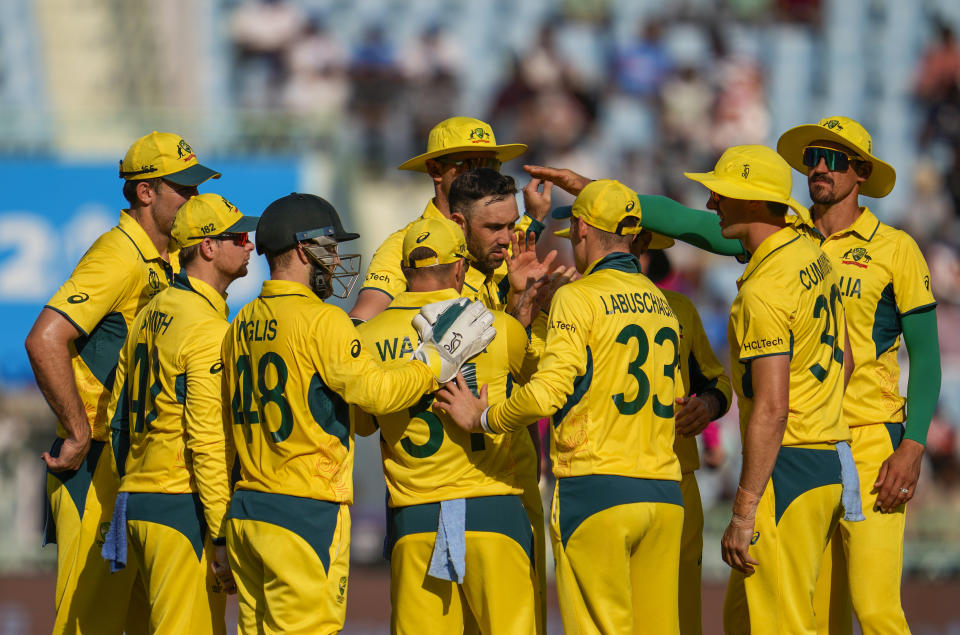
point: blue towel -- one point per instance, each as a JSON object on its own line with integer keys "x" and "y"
{"x": 115, "y": 542}
{"x": 449, "y": 551}
{"x": 852, "y": 509}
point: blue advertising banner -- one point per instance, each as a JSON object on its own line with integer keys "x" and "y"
{"x": 51, "y": 211}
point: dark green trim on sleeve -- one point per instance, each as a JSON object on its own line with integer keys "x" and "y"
{"x": 923, "y": 386}
{"x": 376, "y": 289}
{"x": 919, "y": 309}
{"x": 83, "y": 333}
{"x": 535, "y": 226}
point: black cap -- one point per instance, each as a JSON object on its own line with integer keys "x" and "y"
{"x": 294, "y": 214}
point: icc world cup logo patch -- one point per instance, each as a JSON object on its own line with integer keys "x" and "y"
{"x": 153, "y": 280}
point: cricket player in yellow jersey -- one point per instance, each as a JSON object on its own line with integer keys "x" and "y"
{"x": 787, "y": 345}
{"x": 292, "y": 364}
{"x": 166, "y": 412}
{"x": 73, "y": 348}
{"x": 708, "y": 399}
{"x": 608, "y": 375}
{"x": 459, "y": 540}
{"x": 454, "y": 146}
{"x": 482, "y": 202}
{"x": 885, "y": 285}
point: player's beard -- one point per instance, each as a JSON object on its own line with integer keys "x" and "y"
{"x": 823, "y": 195}
{"x": 321, "y": 282}
{"x": 491, "y": 259}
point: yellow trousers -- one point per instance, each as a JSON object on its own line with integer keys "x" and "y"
{"x": 78, "y": 517}
{"x": 797, "y": 514}
{"x": 499, "y": 589}
{"x": 290, "y": 557}
{"x": 616, "y": 543}
{"x": 691, "y": 557}
{"x": 167, "y": 550}
{"x": 864, "y": 562}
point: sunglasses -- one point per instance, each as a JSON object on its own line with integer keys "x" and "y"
{"x": 836, "y": 160}
{"x": 471, "y": 163}
{"x": 239, "y": 238}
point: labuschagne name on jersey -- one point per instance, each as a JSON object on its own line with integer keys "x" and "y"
{"x": 257, "y": 331}
{"x": 156, "y": 322}
{"x": 636, "y": 302}
{"x": 815, "y": 272}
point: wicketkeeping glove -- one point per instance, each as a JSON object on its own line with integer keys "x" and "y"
{"x": 452, "y": 332}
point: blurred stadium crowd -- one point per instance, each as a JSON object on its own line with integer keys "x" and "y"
{"x": 637, "y": 90}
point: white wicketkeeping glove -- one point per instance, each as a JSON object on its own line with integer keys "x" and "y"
{"x": 451, "y": 333}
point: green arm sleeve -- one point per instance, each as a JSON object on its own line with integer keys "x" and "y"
{"x": 923, "y": 386}
{"x": 697, "y": 227}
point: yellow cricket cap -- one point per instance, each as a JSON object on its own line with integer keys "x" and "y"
{"x": 208, "y": 215}
{"x": 604, "y": 204}
{"x": 441, "y": 236}
{"x": 164, "y": 154}
{"x": 752, "y": 173}
{"x": 845, "y": 131}
{"x": 462, "y": 134}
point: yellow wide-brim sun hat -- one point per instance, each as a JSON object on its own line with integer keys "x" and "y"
{"x": 752, "y": 173}
{"x": 847, "y": 132}
{"x": 462, "y": 134}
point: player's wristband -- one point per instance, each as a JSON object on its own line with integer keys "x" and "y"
{"x": 483, "y": 421}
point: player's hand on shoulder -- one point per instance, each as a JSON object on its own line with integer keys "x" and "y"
{"x": 456, "y": 399}
{"x": 451, "y": 335}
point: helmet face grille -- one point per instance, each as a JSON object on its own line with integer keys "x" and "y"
{"x": 338, "y": 273}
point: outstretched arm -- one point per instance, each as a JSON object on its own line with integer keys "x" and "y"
{"x": 659, "y": 213}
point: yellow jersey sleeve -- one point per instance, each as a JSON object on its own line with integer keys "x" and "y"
{"x": 763, "y": 327}
{"x": 564, "y": 359}
{"x": 348, "y": 368}
{"x": 94, "y": 289}
{"x": 210, "y": 445}
{"x": 384, "y": 273}
{"x": 911, "y": 277}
